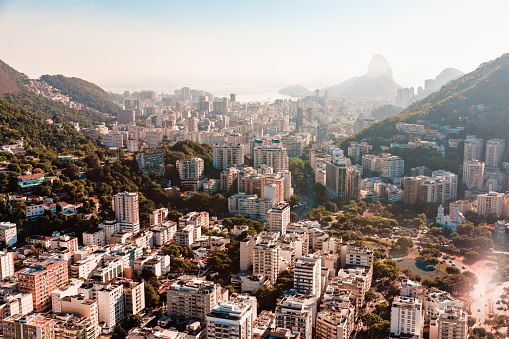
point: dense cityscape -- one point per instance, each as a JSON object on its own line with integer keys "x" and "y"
{"x": 364, "y": 209}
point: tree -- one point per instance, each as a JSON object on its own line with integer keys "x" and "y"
{"x": 293, "y": 217}
{"x": 452, "y": 270}
{"x": 131, "y": 321}
{"x": 369, "y": 319}
{"x": 174, "y": 215}
{"x": 118, "y": 332}
{"x": 293, "y": 201}
{"x": 147, "y": 274}
{"x": 370, "y": 295}
{"x": 404, "y": 244}
{"x": 220, "y": 261}
{"x": 380, "y": 330}
{"x": 151, "y": 296}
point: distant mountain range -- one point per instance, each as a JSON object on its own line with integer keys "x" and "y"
{"x": 377, "y": 82}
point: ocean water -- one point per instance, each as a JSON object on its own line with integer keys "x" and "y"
{"x": 244, "y": 93}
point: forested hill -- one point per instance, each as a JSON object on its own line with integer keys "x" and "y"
{"x": 488, "y": 85}
{"x": 39, "y": 137}
{"x": 19, "y": 95}
{"x": 83, "y": 92}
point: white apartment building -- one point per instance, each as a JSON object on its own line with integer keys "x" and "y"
{"x": 473, "y": 149}
{"x": 411, "y": 289}
{"x": 79, "y": 305}
{"x": 134, "y": 295}
{"x": 164, "y": 233}
{"x": 16, "y": 303}
{"x": 490, "y": 203}
{"x": 191, "y": 298}
{"x": 406, "y": 316}
{"x": 473, "y": 172}
{"x": 266, "y": 260}
{"x": 34, "y": 211}
{"x": 84, "y": 268}
{"x": 110, "y": 300}
{"x": 249, "y": 205}
{"x": 114, "y": 139}
{"x": 278, "y": 218}
{"x": 296, "y": 314}
{"x": 434, "y": 301}
{"x": 275, "y": 157}
{"x": 392, "y": 166}
{"x": 191, "y": 169}
{"x": 96, "y": 238}
{"x": 452, "y": 323}
{"x": 6, "y": 265}
{"x": 246, "y": 252}
{"x": 307, "y": 275}
{"x": 126, "y": 208}
{"x": 228, "y": 155}
{"x": 8, "y": 233}
{"x": 158, "y": 216}
{"x": 230, "y": 320}
{"x": 185, "y": 236}
{"x": 494, "y": 151}
{"x": 335, "y": 323}
{"x": 65, "y": 291}
{"x": 195, "y": 219}
{"x": 356, "y": 256}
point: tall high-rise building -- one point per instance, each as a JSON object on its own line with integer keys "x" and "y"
{"x": 41, "y": 279}
{"x": 230, "y": 320}
{"x": 452, "y": 323}
{"x": 126, "y": 208}
{"x": 247, "y": 251}
{"x": 275, "y": 157}
{"x": 307, "y": 274}
{"x": 310, "y": 115}
{"x": 406, "y": 316}
{"x": 126, "y": 116}
{"x": 151, "y": 162}
{"x": 494, "y": 151}
{"x": 299, "y": 121}
{"x": 79, "y": 305}
{"x": 473, "y": 173}
{"x": 191, "y": 169}
{"x": 278, "y": 218}
{"x": 342, "y": 180}
{"x": 266, "y": 259}
{"x": 225, "y": 155}
{"x": 110, "y": 300}
{"x": 473, "y": 149}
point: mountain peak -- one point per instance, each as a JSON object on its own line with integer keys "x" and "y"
{"x": 379, "y": 67}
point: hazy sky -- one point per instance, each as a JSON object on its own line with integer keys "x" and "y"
{"x": 152, "y": 44}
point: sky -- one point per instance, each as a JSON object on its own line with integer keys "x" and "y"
{"x": 156, "y": 44}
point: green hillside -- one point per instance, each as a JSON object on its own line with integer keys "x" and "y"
{"x": 46, "y": 108}
{"x": 83, "y": 92}
{"x": 487, "y": 85}
{"x": 39, "y": 137}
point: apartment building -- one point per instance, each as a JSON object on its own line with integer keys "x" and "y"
{"x": 195, "y": 219}
{"x": 110, "y": 299}
{"x": 230, "y": 320}
{"x": 94, "y": 238}
{"x": 452, "y": 323}
{"x": 41, "y": 279}
{"x": 278, "y": 218}
{"x": 494, "y": 150}
{"x": 275, "y": 157}
{"x": 296, "y": 314}
{"x": 249, "y": 205}
{"x": 65, "y": 241}
{"x": 158, "y": 216}
{"x": 79, "y": 305}
{"x": 191, "y": 169}
{"x": 34, "y": 326}
{"x": 134, "y": 295}
{"x": 6, "y": 265}
{"x": 246, "y": 252}
{"x": 490, "y": 203}
{"x": 406, "y": 317}
{"x": 164, "y": 233}
{"x": 473, "y": 149}
{"x": 356, "y": 256}
{"x": 191, "y": 298}
{"x": 334, "y": 322}
{"x": 228, "y": 155}
{"x": 151, "y": 162}
{"x": 126, "y": 208}
{"x": 266, "y": 259}
{"x": 307, "y": 275}
{"x": 8, "y": 233}
{"x": 473, "y": 172}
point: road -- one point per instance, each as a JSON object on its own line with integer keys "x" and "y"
{"x": 307, "y": 200}
{"x": 479, "y": 300}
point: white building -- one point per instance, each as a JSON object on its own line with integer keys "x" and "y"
{"x": 473, "y": 172}
{"x": 110, "y": 300}
{"x": 8, "y": 233}
{"x": 411, "y": 289}
{"x": 191, "y": 169}
{"x": 246, "y": 252}
{"x": 228, "y": 155}
{"x": 96, "y": 238}
{"x": 6, "y": 265}
{"x": 278, "y": 218}
{"x": 494, "y": 151}
{"x": 406, "y": 316}
{"x": 450, "y": 221}
{"x": 275, "y": 157}
{"x": 473, "y": 149}
{"x": 296, "y": 314}
{"x": 452, "y": 323}
{"x": 126, "y": 208}
{"x": 490, "y": 203}
{"x": 266, "y": 259}
{"x": 307, "y": 274}
{"x": 230, "y": 320}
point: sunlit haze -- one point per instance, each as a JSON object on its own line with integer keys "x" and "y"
{"x": 167, "y": 44}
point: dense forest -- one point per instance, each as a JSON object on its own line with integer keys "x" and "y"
{"x": 83, "y": 92}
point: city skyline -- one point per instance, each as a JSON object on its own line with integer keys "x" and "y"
{"x": 172, "y": 44}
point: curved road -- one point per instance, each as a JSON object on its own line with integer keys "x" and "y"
{"x": 477, "y": 307}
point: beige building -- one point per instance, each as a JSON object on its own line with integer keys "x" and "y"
{"x": 225, "y": 155}
{"x": 88, "y": 308}
{"x": 6, "y": 265}
{"x": 275, "y": 157}
{"x": 266, "y": 260}
{"x": 278, "y": 218}
{"x": 33, "y": 326}
{"x": 335, "y": 323}
{"x": 473, "y": 172}
{"x": 490, "y": 203}
{"x": 230, "y": 320}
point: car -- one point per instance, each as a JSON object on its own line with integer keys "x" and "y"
{"x": 478, "y": 310}
{"x": 463, "y": 268}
